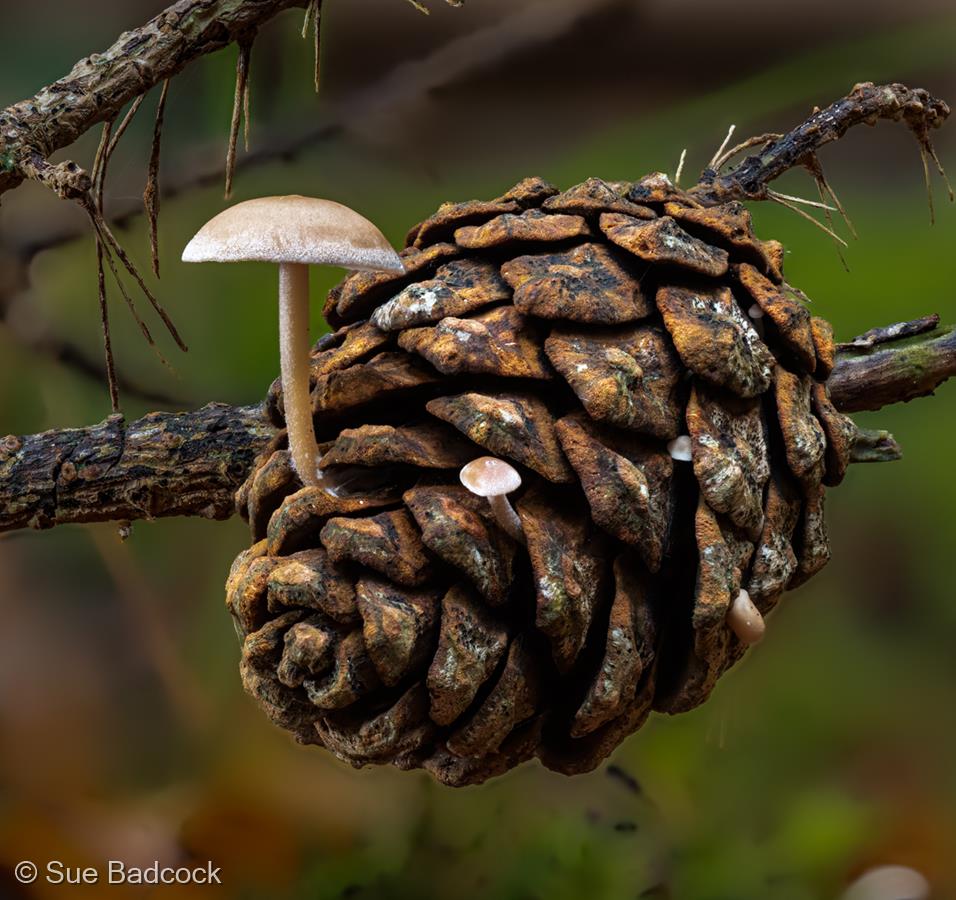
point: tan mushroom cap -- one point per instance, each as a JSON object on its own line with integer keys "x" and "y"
{"x": 490, "y": 477}
{"x": 293, "y": 229}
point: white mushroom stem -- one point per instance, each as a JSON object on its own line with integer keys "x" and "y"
{"x": 506, "y": 516}
{"x": 745, "y": 619}
{"x": 294, "y": 346}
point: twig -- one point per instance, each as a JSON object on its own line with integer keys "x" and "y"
{"x": 105, "y": 322}
{"x": 170, "y": 464}
{"x": 240, "y": 103}
{"x": 720, "y": 150}
{"x": 313, "y": 16}
{"x": 143, "y": 327}
{"x": 818, "y": 204}
{"x": 894, "y": 370}
{"x": 866, "y": 103}
{"x": 890, "y": 333}
{"x": 100, "y": 85}
{"x": 874, "y": 445}
{"x": 779, "y": 198}
{"x": 680, "y": 167}
{"x": 112, "y": 244}
{"x": 151, "y": 195}
{"x": 720, "y": 161}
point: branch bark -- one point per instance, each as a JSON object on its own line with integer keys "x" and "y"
{"x": 164, "y": 464}
{"x": 894, "y": 369}
{"x": 99, "y": 86}
{"x": 190, "y": 464}
{"x": 865, "y": 104}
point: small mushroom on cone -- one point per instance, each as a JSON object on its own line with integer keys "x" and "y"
{"x": 495, "y": 479}
{"x": 745, "y": 619}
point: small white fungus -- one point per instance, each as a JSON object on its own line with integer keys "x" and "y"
{"x": 681, "y": 448}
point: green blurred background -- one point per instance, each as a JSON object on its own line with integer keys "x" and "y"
{"x": 124, "y": 732}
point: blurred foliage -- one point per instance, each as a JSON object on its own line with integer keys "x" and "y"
{"x": 827, "y": 751}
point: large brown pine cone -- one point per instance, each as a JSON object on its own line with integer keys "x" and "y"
{"x": 573, "y": 334}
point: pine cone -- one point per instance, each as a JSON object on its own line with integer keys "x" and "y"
{"x": 574, "y": 335}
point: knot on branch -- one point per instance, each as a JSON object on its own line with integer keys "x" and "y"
{"x": 67, "y": 180}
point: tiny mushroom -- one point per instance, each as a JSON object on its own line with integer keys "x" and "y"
{"x": 745, "y": 619}
{"x": 681, "y": 448}
{"x": 295, "y": 232}
{"x": 495, "y": 479}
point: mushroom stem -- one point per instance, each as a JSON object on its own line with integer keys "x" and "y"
{"x": 294, "y": 346}
{"x": 506, "y": 516}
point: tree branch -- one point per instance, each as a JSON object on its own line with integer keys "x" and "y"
{"x": 164, "y": 464}
{"x": 190, "y": 464}
{"x": 865, "y": 104}
{"x": 99, "y": 86}
{"x": 894, "y": 367}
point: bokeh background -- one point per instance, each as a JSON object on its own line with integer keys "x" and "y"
{"x": 124, "y": 732}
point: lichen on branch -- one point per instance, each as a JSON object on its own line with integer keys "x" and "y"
{"x": 164, "y": 464}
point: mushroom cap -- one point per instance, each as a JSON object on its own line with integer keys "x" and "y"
{"x": 293, "y": 229}
{"x": 488, "y": 476}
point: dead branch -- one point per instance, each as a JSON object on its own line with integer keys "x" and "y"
{"x": 164, "y": 464}
{"x": 865, "y": 104}
{"x": 190, "y": 464}
{"x": 893, "y": 365}
{"x": 99, "y": 86}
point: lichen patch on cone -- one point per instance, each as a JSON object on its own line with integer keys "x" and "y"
{"x": 664, "y": 242}
{"x": 458, "y": 287}
{"x": 629, "y": 377}
{"x": 811, "y": 539}
{"x": 788, "y": 315}
{"x": 629, "y": 650}
{"x": 471, "y": 643}
{"x": 500, "y": 342}
{"x": 729, "y": 225}
{"x": 627, "y": 483}
{"x": 774, "y": 559}
{"x": 512, "y": 700}
{"x": 465, "y": 539}
{"x": 730, "y": 456}
{"x": 714, "y": 339}
{"x": 388, "y": 543}
{"x": 310, "y": 579}
{"x": 596, "y": 196}
{"x": 302, "y": 515}
{"x": 588, "y": 283}
{"x": 803, "y": 436}
{"x": 398, "y": 626}
{"x": 531, "y": 226}
{"x": 568, "y": 559}
{"x": 516, "y": 426}
{"x": 361, "y": 292}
